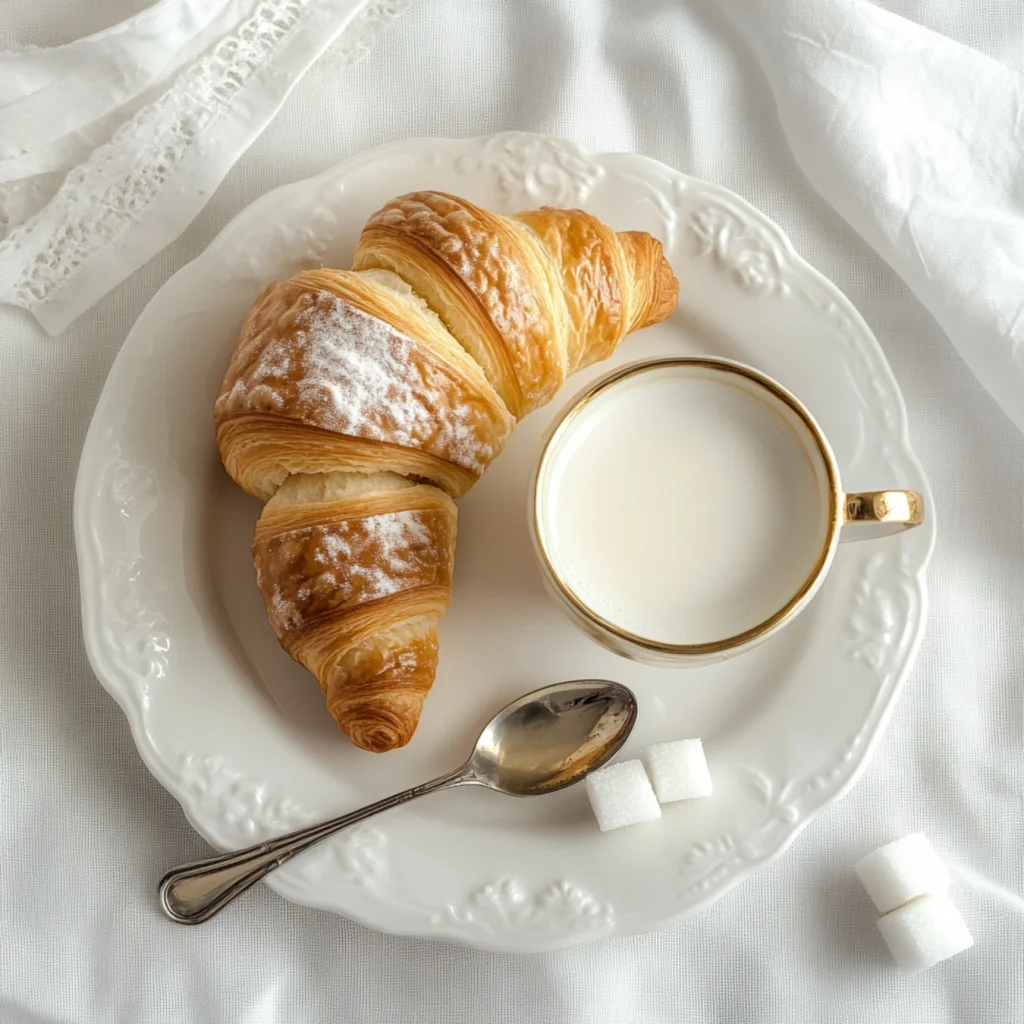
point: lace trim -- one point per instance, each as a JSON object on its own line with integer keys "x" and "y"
{"x": 377, "y": 16}
{"x": 109, "y": 193}
{"x": 98, "y": 200}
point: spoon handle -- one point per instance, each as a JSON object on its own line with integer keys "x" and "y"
{"x": 194, "y": 892}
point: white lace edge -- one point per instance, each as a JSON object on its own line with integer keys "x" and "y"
{"x": 138, "y": 192}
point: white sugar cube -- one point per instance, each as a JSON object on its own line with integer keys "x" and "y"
{"x": 679, "y": 770}
{"x": 621, "y": 794}
{"x": 901, "y": 871}
{"x": 925, "y": 932}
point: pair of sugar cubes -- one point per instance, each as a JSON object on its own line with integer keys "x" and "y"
{"x": 907, "y": 882}
{"x": 622, "y": 794}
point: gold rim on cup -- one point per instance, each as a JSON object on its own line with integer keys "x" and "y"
{"x": 897, "y": 509}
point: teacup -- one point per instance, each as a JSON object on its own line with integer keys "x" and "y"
{"x": 686, "y": 509}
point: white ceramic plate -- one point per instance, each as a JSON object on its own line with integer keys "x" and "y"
{"x": 176, "y": 630}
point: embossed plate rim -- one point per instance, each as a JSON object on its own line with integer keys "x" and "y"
{"x": 593, "y": 917}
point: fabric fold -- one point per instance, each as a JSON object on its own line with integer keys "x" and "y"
{"x": 93, "y": 205}
{"x": 918, "y": 142}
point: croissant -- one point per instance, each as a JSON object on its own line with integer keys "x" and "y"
{"x": 359, "y": 403}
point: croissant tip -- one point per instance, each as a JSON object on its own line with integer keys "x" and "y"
{"x": 379, "y": 727}
{"x": 377, "y": 739}
{"x": 666, "y": 289}
{"x": 661, "y": 291}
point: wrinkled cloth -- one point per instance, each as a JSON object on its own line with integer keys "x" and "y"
{"x": 918, "y": 141}
{"x": 85, "y": 831}
{"x": 111, "y": 144}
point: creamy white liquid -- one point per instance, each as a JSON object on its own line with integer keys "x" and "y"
{"x": 682, "y": 507}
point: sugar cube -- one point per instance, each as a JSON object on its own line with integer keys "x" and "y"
{"x": 679, "y": 770}
{"x": 901, "y": 871}
{"x": 621, "y": 794}
{"x": 925, "y": 932}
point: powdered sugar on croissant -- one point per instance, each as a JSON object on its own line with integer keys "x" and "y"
{"x": 357, "y": 404}
{"x": 344, "y": 563}
{"x": 350, "y": 373}
{"x": 312, "y": 357}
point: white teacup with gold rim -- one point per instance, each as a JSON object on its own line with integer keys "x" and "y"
{"x": 685, "y": 509}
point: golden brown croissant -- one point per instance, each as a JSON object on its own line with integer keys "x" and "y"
{"x": 358, "y": 404}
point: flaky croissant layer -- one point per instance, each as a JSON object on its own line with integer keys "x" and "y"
{"x": 358, "y": 403}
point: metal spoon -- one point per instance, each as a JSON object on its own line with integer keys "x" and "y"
{"x": 541, "y": 743}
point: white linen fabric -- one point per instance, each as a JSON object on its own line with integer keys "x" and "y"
{"x": 110, "y": 145}
{"x": 759, "y": 98}
{"x": 918, "y": 141}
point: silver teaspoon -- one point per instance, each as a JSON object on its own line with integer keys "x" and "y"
{"x": 541, "y": 743}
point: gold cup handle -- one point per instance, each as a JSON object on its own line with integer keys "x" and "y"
{"x": 870, "y": 514}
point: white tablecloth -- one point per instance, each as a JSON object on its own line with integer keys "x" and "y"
{"x": 85, "y": 831}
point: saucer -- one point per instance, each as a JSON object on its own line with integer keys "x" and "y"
{"x": 237, "y": 732}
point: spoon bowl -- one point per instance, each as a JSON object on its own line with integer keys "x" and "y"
{"x": 543, "y": 742}
{"x": 553, "y": 737}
